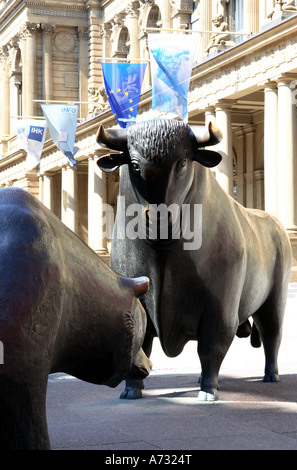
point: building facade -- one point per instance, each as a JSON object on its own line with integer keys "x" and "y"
{"x": 244, "y": 79}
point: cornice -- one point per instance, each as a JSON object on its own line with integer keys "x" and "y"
{"x": 247, "y": 48}
{"x": 65, "y": 6}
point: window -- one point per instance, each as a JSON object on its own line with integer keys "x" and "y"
{"x": 235, "y": 14}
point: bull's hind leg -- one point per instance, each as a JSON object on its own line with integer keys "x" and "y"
{"x": 269, "y": 322}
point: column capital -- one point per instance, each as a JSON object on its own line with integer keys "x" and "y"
{"x": 132, "y": 9}
{"x": 83, "y": 33}
{"x": 268, "y": 85}
{"x": 224, "y": 104}
{"x": 48, "y": 173}
{"x": 46, "y": 28}
{"x": 28, "y": 29}
{"x": 250, "y": 128}
{"x": 285, "y": 78}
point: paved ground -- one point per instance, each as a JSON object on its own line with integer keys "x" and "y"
{"x": 250, "y": 414}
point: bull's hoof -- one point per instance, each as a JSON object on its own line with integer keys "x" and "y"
{"x": 209, "y": 397}
{"x": 271, "y": 374}
{"x": 272, "y": 377}
{"x": 133, "y": 390}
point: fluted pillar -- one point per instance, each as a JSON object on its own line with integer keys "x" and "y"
{"x": 131, "y": 21}
{"x": 224, "y": 171}
{"x": 205, "y": 21}
{"x": 270, "y": 147}
{"x": 251, "y": 16}
{"x": 96, "y": 200}
{"x": 250, "y": 141}
{"x": 4, "y": 94}
{"x": 47, "y": 61}
{"x": 83, "y": 71}
{"x": 241, "y": 166}
{"x": 164, "y": 6}
{"x": 29, "y": 69}
{"x": 287, "y": 157}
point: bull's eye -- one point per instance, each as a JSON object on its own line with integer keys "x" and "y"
{"x": 181, "y": 164}
{"x": 135, "y": 166}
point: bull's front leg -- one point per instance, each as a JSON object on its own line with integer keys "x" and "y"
{"x": 214, "y": 339}
{"x": 133, "y": 389}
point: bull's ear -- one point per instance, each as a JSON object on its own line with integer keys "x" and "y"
{"x": 109, "y": 163}
{"x": 114, "y": 139}
{"x": 207, "y": 158}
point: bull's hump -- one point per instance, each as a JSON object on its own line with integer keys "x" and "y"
{"x": 19, "y": 221}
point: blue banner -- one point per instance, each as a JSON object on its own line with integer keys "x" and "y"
{"x": 31, "y": 136}
{"x": 62, "y": 122}
{"x": 172, "y": 59}
{"x": 123, "y": 82}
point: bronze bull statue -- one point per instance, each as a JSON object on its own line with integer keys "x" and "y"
{"x": 218, "y": 265}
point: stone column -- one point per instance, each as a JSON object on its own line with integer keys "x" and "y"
{"x": 4, "y": 94}
{"x": 83, "y": 37}
{"x": 224, "y": 171}
{"x": 40, "y": 187}
{"x": 251, "y": 16}
{"x": 210, "y": 116}
{"x": 205, "y": 22}
{"x": 270, "y": 147}
{"x": 47, "y": 61}
{"x": 48, "y": 191}
{"x": 287, "y": 156}
{"x": 29, "y": 69}
{"x": 259, "y": 189}
{"x": 96, "y": 199}
{"x": 250, "y": 132}
{"x": 241, "y": 167}
{"x": 69, "y": 214}
{"x": 131, "y": 22}
{"x": 164, "y": 6}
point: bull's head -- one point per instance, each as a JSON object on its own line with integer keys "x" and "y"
{"x": 160, "y": 155}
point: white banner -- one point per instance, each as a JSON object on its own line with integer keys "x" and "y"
{"x": 31, "y": 136}
{"x": 62, "y": 121}
{"x": 172, "y": 57}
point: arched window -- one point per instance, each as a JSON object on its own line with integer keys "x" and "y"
{"x": 154, "y": 17}
{"x": 123, "y": 44}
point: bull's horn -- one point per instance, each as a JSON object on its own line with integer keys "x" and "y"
{"x": 139, "y": 285}
{"x": 205, "y": 137}
{"x": 114, "y": 139}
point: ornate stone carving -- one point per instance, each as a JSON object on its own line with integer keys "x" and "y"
{"x": 28, "y": 29}
{"x": 281, "y": 7}
{"x": 220, "y": 36}
{"x": 64, "y": 41}
{"x": 99, "y": 100}
{"x": 132, "y": 9}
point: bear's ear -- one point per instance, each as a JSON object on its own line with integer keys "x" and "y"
{"x": 207, "y": 158}
{"x": 109, "y": 163}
